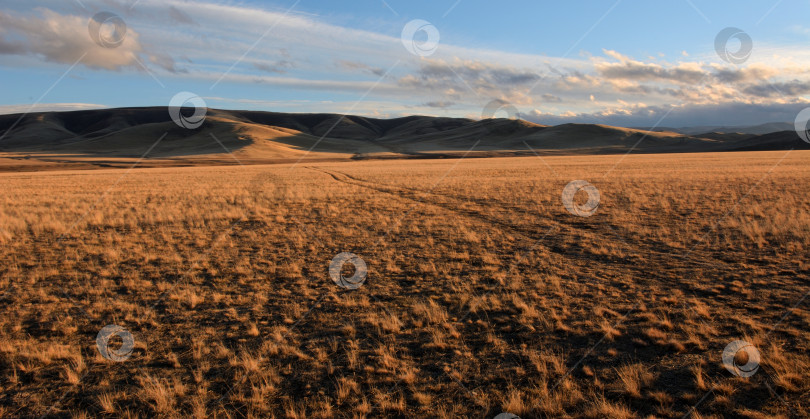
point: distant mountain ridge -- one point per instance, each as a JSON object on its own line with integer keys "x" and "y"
{"x": 760, "y": 129}
{"x": 116, "y": 135}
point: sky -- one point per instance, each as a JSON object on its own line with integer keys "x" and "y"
{"x": 633, "y": 63}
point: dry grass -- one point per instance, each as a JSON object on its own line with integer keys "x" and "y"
{"x": 483, "y": 293}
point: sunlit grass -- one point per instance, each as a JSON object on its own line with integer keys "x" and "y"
{"x": 483, "y": 295}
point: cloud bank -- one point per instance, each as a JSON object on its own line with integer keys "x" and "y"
{"x": 226, "y": 43}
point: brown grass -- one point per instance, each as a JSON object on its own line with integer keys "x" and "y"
{"x": 483, "y": 295}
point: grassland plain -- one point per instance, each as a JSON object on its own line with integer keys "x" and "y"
{"x": 483, "y": 295}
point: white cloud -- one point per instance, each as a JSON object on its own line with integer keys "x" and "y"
{"x": 644, "y": 116}
{"x": 48, "y": 107}
{"x": 200, "y": 40}
{"x": 630, "y": 69}
{"x": 63, "y": 39}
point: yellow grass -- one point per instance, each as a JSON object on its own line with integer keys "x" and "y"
{"x": 483, "y": 293}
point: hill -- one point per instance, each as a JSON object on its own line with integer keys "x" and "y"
{"x": 760, "y": 129}
{"x": 120, "y": 137}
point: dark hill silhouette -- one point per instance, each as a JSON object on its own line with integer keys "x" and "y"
{"x": 116, "y": 136}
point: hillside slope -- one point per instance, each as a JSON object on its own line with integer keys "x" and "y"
{"x": 120, "y": 136}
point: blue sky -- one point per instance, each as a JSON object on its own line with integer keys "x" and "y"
{"x": 625, "y": 62}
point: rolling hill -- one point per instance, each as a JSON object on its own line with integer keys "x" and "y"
{"x": 119, "y": 137}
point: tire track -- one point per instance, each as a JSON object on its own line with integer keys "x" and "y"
{"x": 562, "y": 242}
{"x": 567, "y": 234}
{"x": 469, "y": 209}
{"x": 610, "y": 229}
{"x": 655, "y": 272}
{"x": 651, "y": 246}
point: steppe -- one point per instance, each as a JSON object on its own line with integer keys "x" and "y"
{"x": 483, "y": 293}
